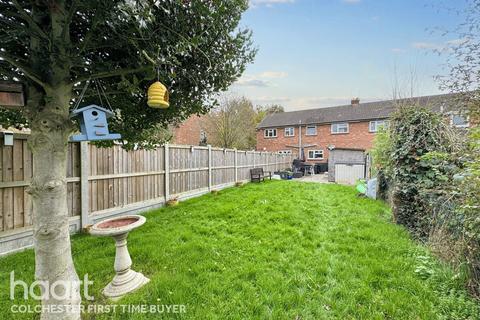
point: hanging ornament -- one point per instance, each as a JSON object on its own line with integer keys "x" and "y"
{"x": 158, "y": 96}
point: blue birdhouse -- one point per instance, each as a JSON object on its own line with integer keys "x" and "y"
{"x": 93, "y": 124}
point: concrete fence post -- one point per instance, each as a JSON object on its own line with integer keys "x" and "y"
{"x": 166, "y": 163}
{"x": 84, "y": 187}
{"x": 276, "y": 160}
{"x": 235, "y": 164}
{"x": 209, "y": 167}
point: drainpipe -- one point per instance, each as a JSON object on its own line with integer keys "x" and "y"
{"x": 299, "y": 140}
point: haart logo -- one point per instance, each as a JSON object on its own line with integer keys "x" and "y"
{"x": 59, "y": 290}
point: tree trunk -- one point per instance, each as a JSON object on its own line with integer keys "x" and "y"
{"x": 51, "y": 128}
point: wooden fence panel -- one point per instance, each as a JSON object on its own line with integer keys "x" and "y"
{"x": 16, "y": 168}
{"x": 118, "y": 179}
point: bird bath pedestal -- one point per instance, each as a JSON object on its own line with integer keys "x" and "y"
{"x": 126, "y": 280}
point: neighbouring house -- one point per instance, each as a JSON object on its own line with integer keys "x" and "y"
{"x": 190, "y": 132}
{"x": 351, "y": 126}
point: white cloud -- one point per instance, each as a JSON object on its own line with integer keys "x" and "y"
{"x": 439, "y": 46}
{"x": 270, "y": 100}
{"x": 273, "y": 74}
{"x": 245, "y": 82}
{"x": 456, "y": 42}
{"x": 426, "y": 45}
{"x": 268, "y": 3}
{"x": 312, "y": 102}
{"x": 261, "y": 79}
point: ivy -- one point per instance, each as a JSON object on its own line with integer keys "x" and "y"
{"x": 433, "y": 174}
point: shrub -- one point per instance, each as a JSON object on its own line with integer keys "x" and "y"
{"x": 381, "y": 164}
{"x": 434, "y": 177}
{"x": 415, "y": 132}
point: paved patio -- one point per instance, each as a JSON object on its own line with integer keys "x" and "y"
{"x": 318, "y": 178}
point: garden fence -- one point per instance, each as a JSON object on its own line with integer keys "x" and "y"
{"x": 104, "y": 182}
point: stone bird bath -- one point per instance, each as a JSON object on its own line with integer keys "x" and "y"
{"x": 125, "y": 280}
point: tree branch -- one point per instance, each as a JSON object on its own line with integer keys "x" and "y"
{"x": 29, "y": 20}
{"x": 25, "y": 69}
{"x": 114, "y": 73}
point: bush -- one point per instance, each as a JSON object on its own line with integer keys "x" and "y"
{"x": 415, "y": 132}
{"x": 434, "y": 179}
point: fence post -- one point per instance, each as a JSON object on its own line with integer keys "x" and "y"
{"x": 84, "y": 188}
{"x": 209, "y": 167}
{"x": 166, "y": 166}
{"x": 235, "y": 164}
{"x": 276, "y": 159}
{"x": 254, "y": 156}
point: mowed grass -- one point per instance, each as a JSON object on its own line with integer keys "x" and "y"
{"x": 275, "y": 250}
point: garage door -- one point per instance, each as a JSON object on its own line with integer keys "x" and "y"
{"x": 349, "y": 173}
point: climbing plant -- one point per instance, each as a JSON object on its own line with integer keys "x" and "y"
{"x": 415, "y": 131}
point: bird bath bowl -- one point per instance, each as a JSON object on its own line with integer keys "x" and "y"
{"x": 125, "y": 280}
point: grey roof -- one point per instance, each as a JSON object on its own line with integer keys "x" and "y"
{"x": 109, "y": 113}
{"x": 362, "y": 111}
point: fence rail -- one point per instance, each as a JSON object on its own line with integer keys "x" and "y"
{"x": 103, "y": 182}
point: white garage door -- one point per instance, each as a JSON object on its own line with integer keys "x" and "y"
{"x": 349, "y": 173}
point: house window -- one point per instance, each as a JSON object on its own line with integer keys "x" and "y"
{"x": 340, "y": 127}
{"x": 377, "y": 125}
{"x": 311, "y": 131}
{"x": 270, "y": 133}
{"x": 315, "y": 154}
{"x": 285, "y": 152}
{"x": 459, "y": 121}
{"x": 289, "y": 132}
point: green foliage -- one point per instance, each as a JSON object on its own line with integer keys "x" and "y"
{"x": 435, "y": 176}
{"x": 195, "y": 47}
{"x": 381, "y": 152}
{"x": 270, "y": 251}
{"x": 12, "y": 118}
{"x": 469, "y": 208}
{"x": 415, "y": 132}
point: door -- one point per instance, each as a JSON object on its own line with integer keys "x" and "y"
{"x": 349, "y": 173}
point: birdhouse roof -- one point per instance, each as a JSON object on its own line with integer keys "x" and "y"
{"x": 109, "y": 113}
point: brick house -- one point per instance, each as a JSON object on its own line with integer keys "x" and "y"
{"x": 350, "y": 126}
{"x": 190, "y": 132}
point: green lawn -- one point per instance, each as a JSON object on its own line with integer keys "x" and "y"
{"x": 276, "y": 250}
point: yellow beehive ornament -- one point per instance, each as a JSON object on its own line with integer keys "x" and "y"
{"x": 158, "y": 96}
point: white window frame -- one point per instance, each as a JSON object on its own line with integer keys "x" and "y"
{"x": 273, "y": 131}
{"x": 377, "y": 123}
{"x": 287, "y": 152}
{"x": 466, "y": 125}
{"x": 310, "y": 134}
{"x": 339, "y": 132}
{"x": 287, "y": 132}
{"x": 319, "y": 151}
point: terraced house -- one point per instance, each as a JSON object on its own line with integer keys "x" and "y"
{"x": 351, "y": 126}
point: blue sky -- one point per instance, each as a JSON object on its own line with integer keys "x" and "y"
{"x": 318, "y": 53}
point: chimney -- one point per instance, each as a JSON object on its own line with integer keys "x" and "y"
{"x": 355, "y": 101}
